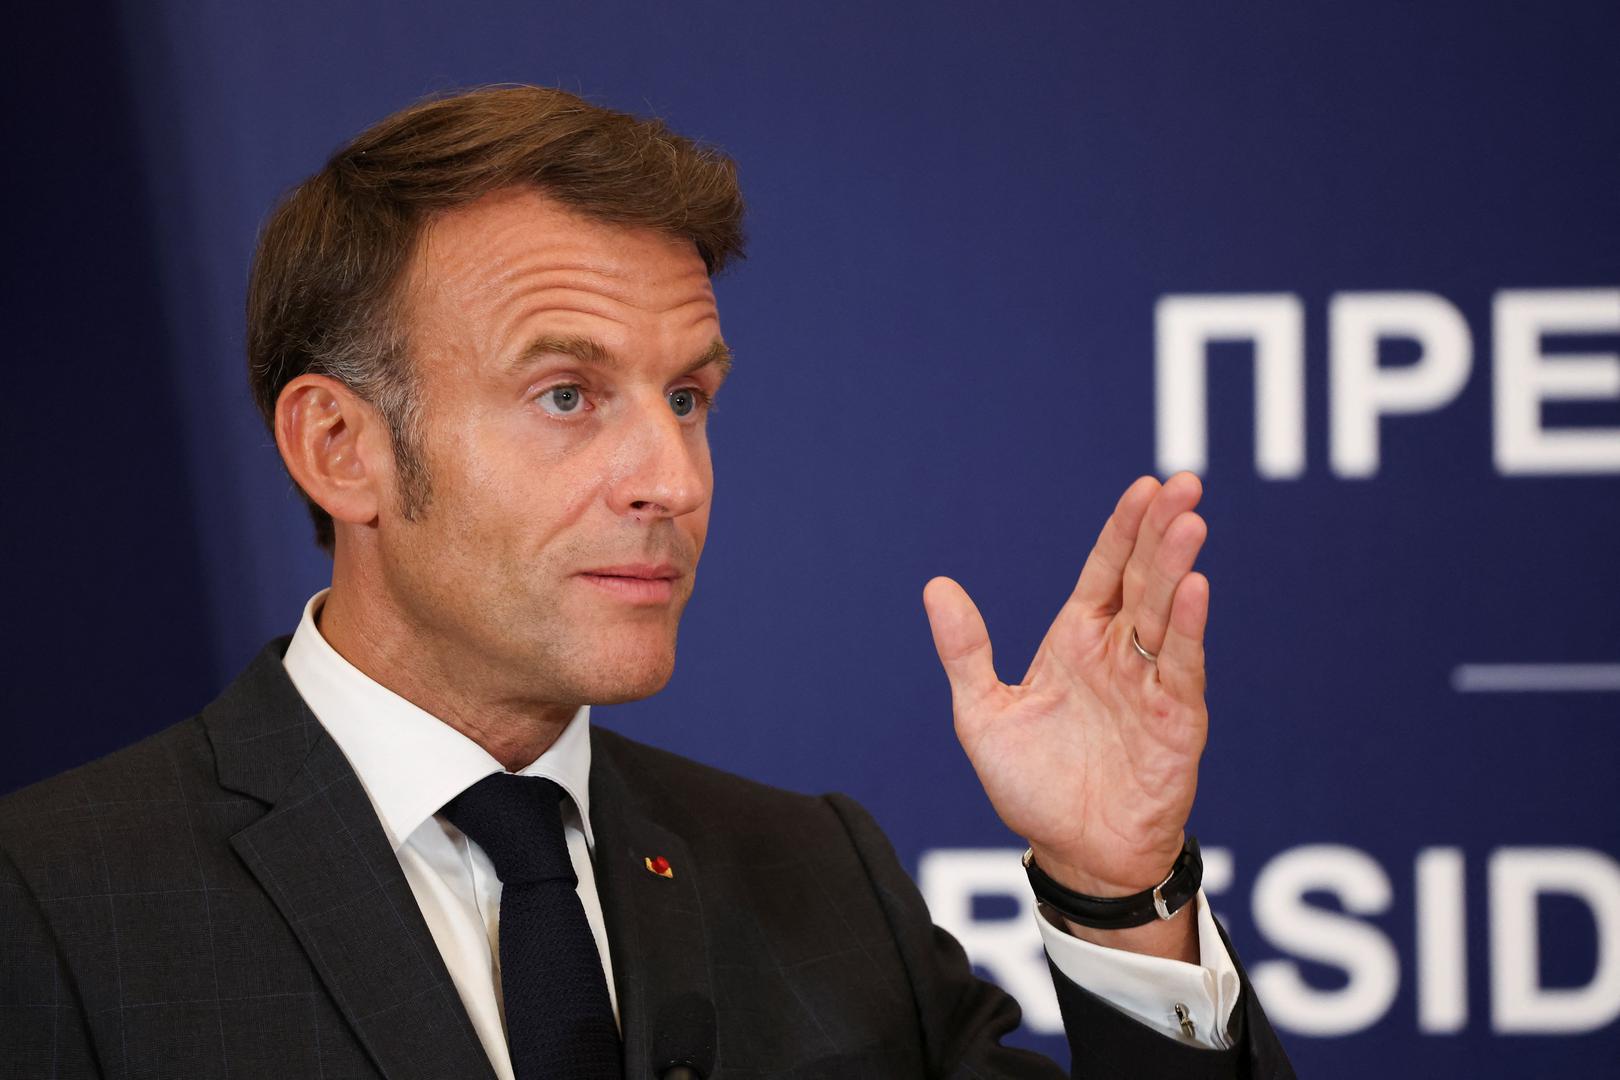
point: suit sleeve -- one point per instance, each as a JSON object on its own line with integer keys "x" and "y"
{"x": 42, "y": 1025}
{"x": 963, "y": 1018}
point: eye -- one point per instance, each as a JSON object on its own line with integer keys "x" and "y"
{"x": 687, "y": 400}
{"x": 562, "y": 400}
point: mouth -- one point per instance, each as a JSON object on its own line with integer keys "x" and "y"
{"x": 638, "y": 583}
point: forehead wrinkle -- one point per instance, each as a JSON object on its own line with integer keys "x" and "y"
{"x": 522, "y": 306}
{"x": 512, "y": 330}
{"x": 523, "y": 303}
{"x": 612, "y": 281}
{"x": 530, "y": 296}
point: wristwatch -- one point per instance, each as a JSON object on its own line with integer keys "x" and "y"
{"x": 1122, "y": 912}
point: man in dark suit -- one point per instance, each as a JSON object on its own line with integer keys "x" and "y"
{"x": 485, "y": 341}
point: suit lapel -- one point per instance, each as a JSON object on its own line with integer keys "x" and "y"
{"x": 323, "y": 859}
{"x": 654, "y": 923}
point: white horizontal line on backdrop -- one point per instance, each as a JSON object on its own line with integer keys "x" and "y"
{"x": 1543, "y": 678}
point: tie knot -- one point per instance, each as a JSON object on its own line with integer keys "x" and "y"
{"x": 517, "y": 820}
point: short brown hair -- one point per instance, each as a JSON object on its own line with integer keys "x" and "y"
{"x": 323, "y": 292}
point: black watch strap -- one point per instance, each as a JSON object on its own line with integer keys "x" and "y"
{"x": 1122, "y": 912}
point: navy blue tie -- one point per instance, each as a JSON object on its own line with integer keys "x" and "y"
{"x": 559, "y": 1021}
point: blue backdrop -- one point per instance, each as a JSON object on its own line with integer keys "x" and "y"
{"x": 993, "y": 248}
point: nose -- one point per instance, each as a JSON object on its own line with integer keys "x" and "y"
{"x": 663, "y": 466}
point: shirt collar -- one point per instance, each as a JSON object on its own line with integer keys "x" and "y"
{"x": 410, "y": 762}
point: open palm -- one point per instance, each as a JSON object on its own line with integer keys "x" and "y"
{"x": 1093, "y": 756}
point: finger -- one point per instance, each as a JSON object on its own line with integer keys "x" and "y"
{"x": 1177, "y": 553}
{"x": 1100, "y": 588}
{"x": 961, "y": 639}
{"x": 1181, "y": 661}
{"x": 1180, "y": 493}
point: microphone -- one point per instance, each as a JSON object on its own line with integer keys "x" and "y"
{"x": 684, "y": 1038}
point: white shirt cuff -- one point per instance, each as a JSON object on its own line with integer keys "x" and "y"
{"x": 1148, "y": 988}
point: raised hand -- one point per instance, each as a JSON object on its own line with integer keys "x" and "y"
{"x": 1093, "y": 756}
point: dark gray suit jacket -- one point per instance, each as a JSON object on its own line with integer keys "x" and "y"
{"x": 220, "y": 900}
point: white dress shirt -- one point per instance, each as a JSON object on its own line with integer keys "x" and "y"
{"x": 411, "y": 764}
{"x": 1150, "y": 987}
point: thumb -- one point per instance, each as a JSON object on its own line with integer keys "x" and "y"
{"x": 961, "y": 639}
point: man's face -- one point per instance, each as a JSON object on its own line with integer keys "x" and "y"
{"x": 564, "y": 368}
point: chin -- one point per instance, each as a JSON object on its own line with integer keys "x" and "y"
{"x": 619, "y": 690}
{"x": 620, "y": 675}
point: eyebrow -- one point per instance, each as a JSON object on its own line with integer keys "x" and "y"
{"x": 590, "y": 351}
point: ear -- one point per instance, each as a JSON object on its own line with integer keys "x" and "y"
{"x": 336, "y": 447}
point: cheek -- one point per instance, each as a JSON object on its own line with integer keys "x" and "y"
{"x": 510, "y": 482}
{"x": 530, "y": 502}
{"x": 696, "y": 527}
